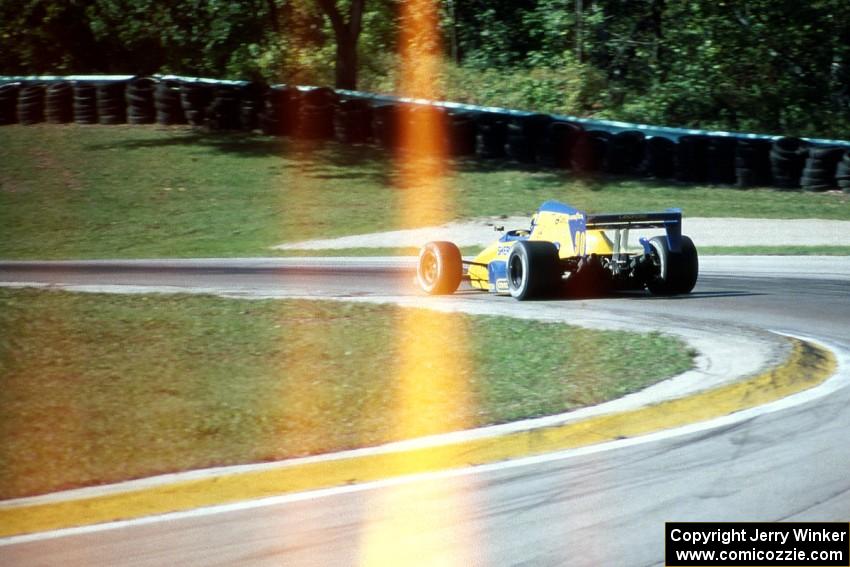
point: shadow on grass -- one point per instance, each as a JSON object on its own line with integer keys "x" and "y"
{"x": 310, "y": 157}
{"x": 375, "y": 162}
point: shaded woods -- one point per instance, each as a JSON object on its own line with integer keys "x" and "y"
{"x": 760, "y": 65}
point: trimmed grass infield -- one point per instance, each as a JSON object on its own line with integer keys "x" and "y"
{"x": 98, "y": 388}
{"x": 70, "y": 191}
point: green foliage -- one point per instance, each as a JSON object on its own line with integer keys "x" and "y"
{"x": 778, "y": 66}
{"x": 762, "y": 65}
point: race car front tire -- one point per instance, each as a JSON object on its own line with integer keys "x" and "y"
{"x": 440, "y": 268}
{"x": 533, "y": 269}
{"x": 677, "y": 271}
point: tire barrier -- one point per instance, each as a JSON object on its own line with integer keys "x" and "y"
{"x": 353, "y": 121}
{"x": 224, "y": 111}
{"x": 590, "y": 151}
{"x": 720, "y": 160}
{"x": 385, "y": 125}
{"x": 556, "y": 148}
{"x": 85, "y": 103}
{"x": 626, "y": 152}
{"x": 31, "y": 104}
{"x": 111, "y": 104}
{"x": 356, "y": 118}
{"x": 194, "y": 99}
{"x": 461, "y": 136}
{"x": 660, "y": 157}
{"x": 280, "y": 115}
{"x": 169, "y": 109}
{"x": 787, "y": 158}
{"x": 59, "y": 103}
{"x": 140, "y": 101}
{"x": 251, "y": 105}
{"x": 752, "y": 163}
{"x": 820, "y": 170}
{"x": 316, "y": 114}
{"x": 491, "y": 135}
{"x": 9, "y": 103}
{"x": 691, "y": 163}
{"x": 842, "y": 172}
{"x": 524, "y": 136}
{"x": 423, "y": 129}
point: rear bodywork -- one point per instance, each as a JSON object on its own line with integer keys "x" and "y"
{"x": 593, "y": 248}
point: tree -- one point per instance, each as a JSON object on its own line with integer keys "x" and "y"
{"x": 346, "y": 32}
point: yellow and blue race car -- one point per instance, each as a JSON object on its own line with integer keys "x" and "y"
{"x": 567, "y": 251}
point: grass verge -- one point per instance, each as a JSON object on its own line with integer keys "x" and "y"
{"x": 775, "y": 250}
{"x": 102, "y": 388}
{"x": 70, "y": 191}
{"x": 473, "y": 250}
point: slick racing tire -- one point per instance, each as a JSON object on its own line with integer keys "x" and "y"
{"x": 533, "y": 269}
{"x": 677, "y": 271}
{"x": 440, "y": 268}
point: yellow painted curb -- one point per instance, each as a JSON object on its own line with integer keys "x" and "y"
{"x": 808, "y": 365}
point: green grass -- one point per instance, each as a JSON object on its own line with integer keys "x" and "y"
{"x": 365, "y": 252}
{"x": 775, "y": 250}
{"x": 703, "y": 251}
{"x": 95, "y": 192}
{"x": 102, "y": 388}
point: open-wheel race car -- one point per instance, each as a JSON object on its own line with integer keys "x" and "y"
{"x": 566, "y": 251}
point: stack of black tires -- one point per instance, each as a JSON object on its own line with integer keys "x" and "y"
{"x": 59, "y": 103}
{"x": 842, "y": 172}
{"x": 752, "y": 163}
{"x": 820, "y": 170}
{"x": 691, "y": 163}
{"x": 280, "y": 115}
{"x": 195, "y": 97}
{"x": 251, "y": 105}
{"x": 353, "y": 121}
{"x": 31, "y": 104}
{"x": 9, "y": 103}
{"x": 141, "y": 107}
{"x": 167, "y": 102}
{"x": 111, "y": 103}
{"x": 386, "y": 123}
{"x": 720, "y": 160}
{"x": 626, "y": 153}
{"x": 787, "y": 158}
{"x": 224, "y": 112}
{"x": 558, "y": 143}
{"x": 590, "y": 151}
{"x": 660, "y": 157}
{"x": 316, "y": 114}
{"x": 525, "y": 136}
{"x": 461, "y": 135}
{"x": 491, "y": 135}
{"x": 85, "y": 103}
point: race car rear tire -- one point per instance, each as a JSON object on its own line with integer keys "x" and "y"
{"x": 533, "y": 269}
{"x": 678, "y": 271}
{"x": 440, "y": 268}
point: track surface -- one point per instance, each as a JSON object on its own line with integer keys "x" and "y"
{"x": 604, "y": 508}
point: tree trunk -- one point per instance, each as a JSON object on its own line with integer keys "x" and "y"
{"x": 347, "y": 34}
{"x": 346, "y": 63}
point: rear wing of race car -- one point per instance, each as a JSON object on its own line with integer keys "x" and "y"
{"x": 670, "y": 220}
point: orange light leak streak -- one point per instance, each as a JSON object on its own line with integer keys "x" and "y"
{"x": 433, "y": 369}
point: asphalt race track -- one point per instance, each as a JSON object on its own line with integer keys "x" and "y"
{"x": 597, "y": 507}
